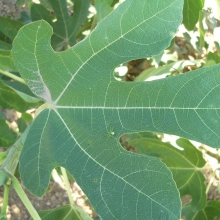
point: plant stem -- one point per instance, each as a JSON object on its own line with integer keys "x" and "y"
{"x": 201, "y": 29}
{"x": 25, "y": 199}
{"x": 5, "y": 200}
{"x": 17, "y": 78}
{"x": 212, "y": 178}
{"x": 13, "y": 154}
{"x": 66, "y": 182}
{"x": 9, "y": 167}
{"x": 41, "y": 108}
{"x": 210, "y": 182}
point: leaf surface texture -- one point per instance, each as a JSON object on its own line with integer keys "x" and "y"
{"x": 89, "y": 110}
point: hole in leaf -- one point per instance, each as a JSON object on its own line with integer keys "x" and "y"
{"x": 120, "y": 72}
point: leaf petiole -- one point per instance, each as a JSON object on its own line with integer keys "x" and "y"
{"x": 41, "y": 108}
{"x": 5, "y": 200}
{"x": 67, "y": 185}
{"x": 17, "y": 78}
{"x": 25, "y": 199}
{"x": 212, "y": 178}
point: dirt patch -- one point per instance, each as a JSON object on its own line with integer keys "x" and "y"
{"x": 55, "y": 196}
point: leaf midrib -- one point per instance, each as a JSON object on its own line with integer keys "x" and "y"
{"x": 128, "y": 108}
{"x": 148, "y": 108}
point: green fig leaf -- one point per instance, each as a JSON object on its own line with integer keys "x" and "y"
{"x": 191, "y": 13}
{"x": 88, "y": 110}
{"x": 185, "y": 164}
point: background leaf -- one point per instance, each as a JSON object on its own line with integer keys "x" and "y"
{"x": 165, "y": 70}
{"x": 5, "y": 46}
{"x": 191, "y": 13}
{"x": 25, "y": 17}
{"x": 103, "y": 8}
{"x": 23, "y": 121}
{"x": 7, "y": 137}
{"x": 64, "y": 212}
{"x": 183, "y": 164}
{"x": 211, "y": 211}
{"x": 66, "y": 27}
{"x": 39, "y": 12}
{"x": 22, "y": 125}
{"x": 17, "y": 96}
{"x": 8, "y": 30}
{"x": 83, "y": 137}
{"x": 214, "y": 57}
{"x": 46, "y": 4}
{"x": 22, "y": 2}
{"x": 6, "y": 61}
{"x": 9, "y": 27}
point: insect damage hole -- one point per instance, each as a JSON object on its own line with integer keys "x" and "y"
{"x": 111, "y": 132}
